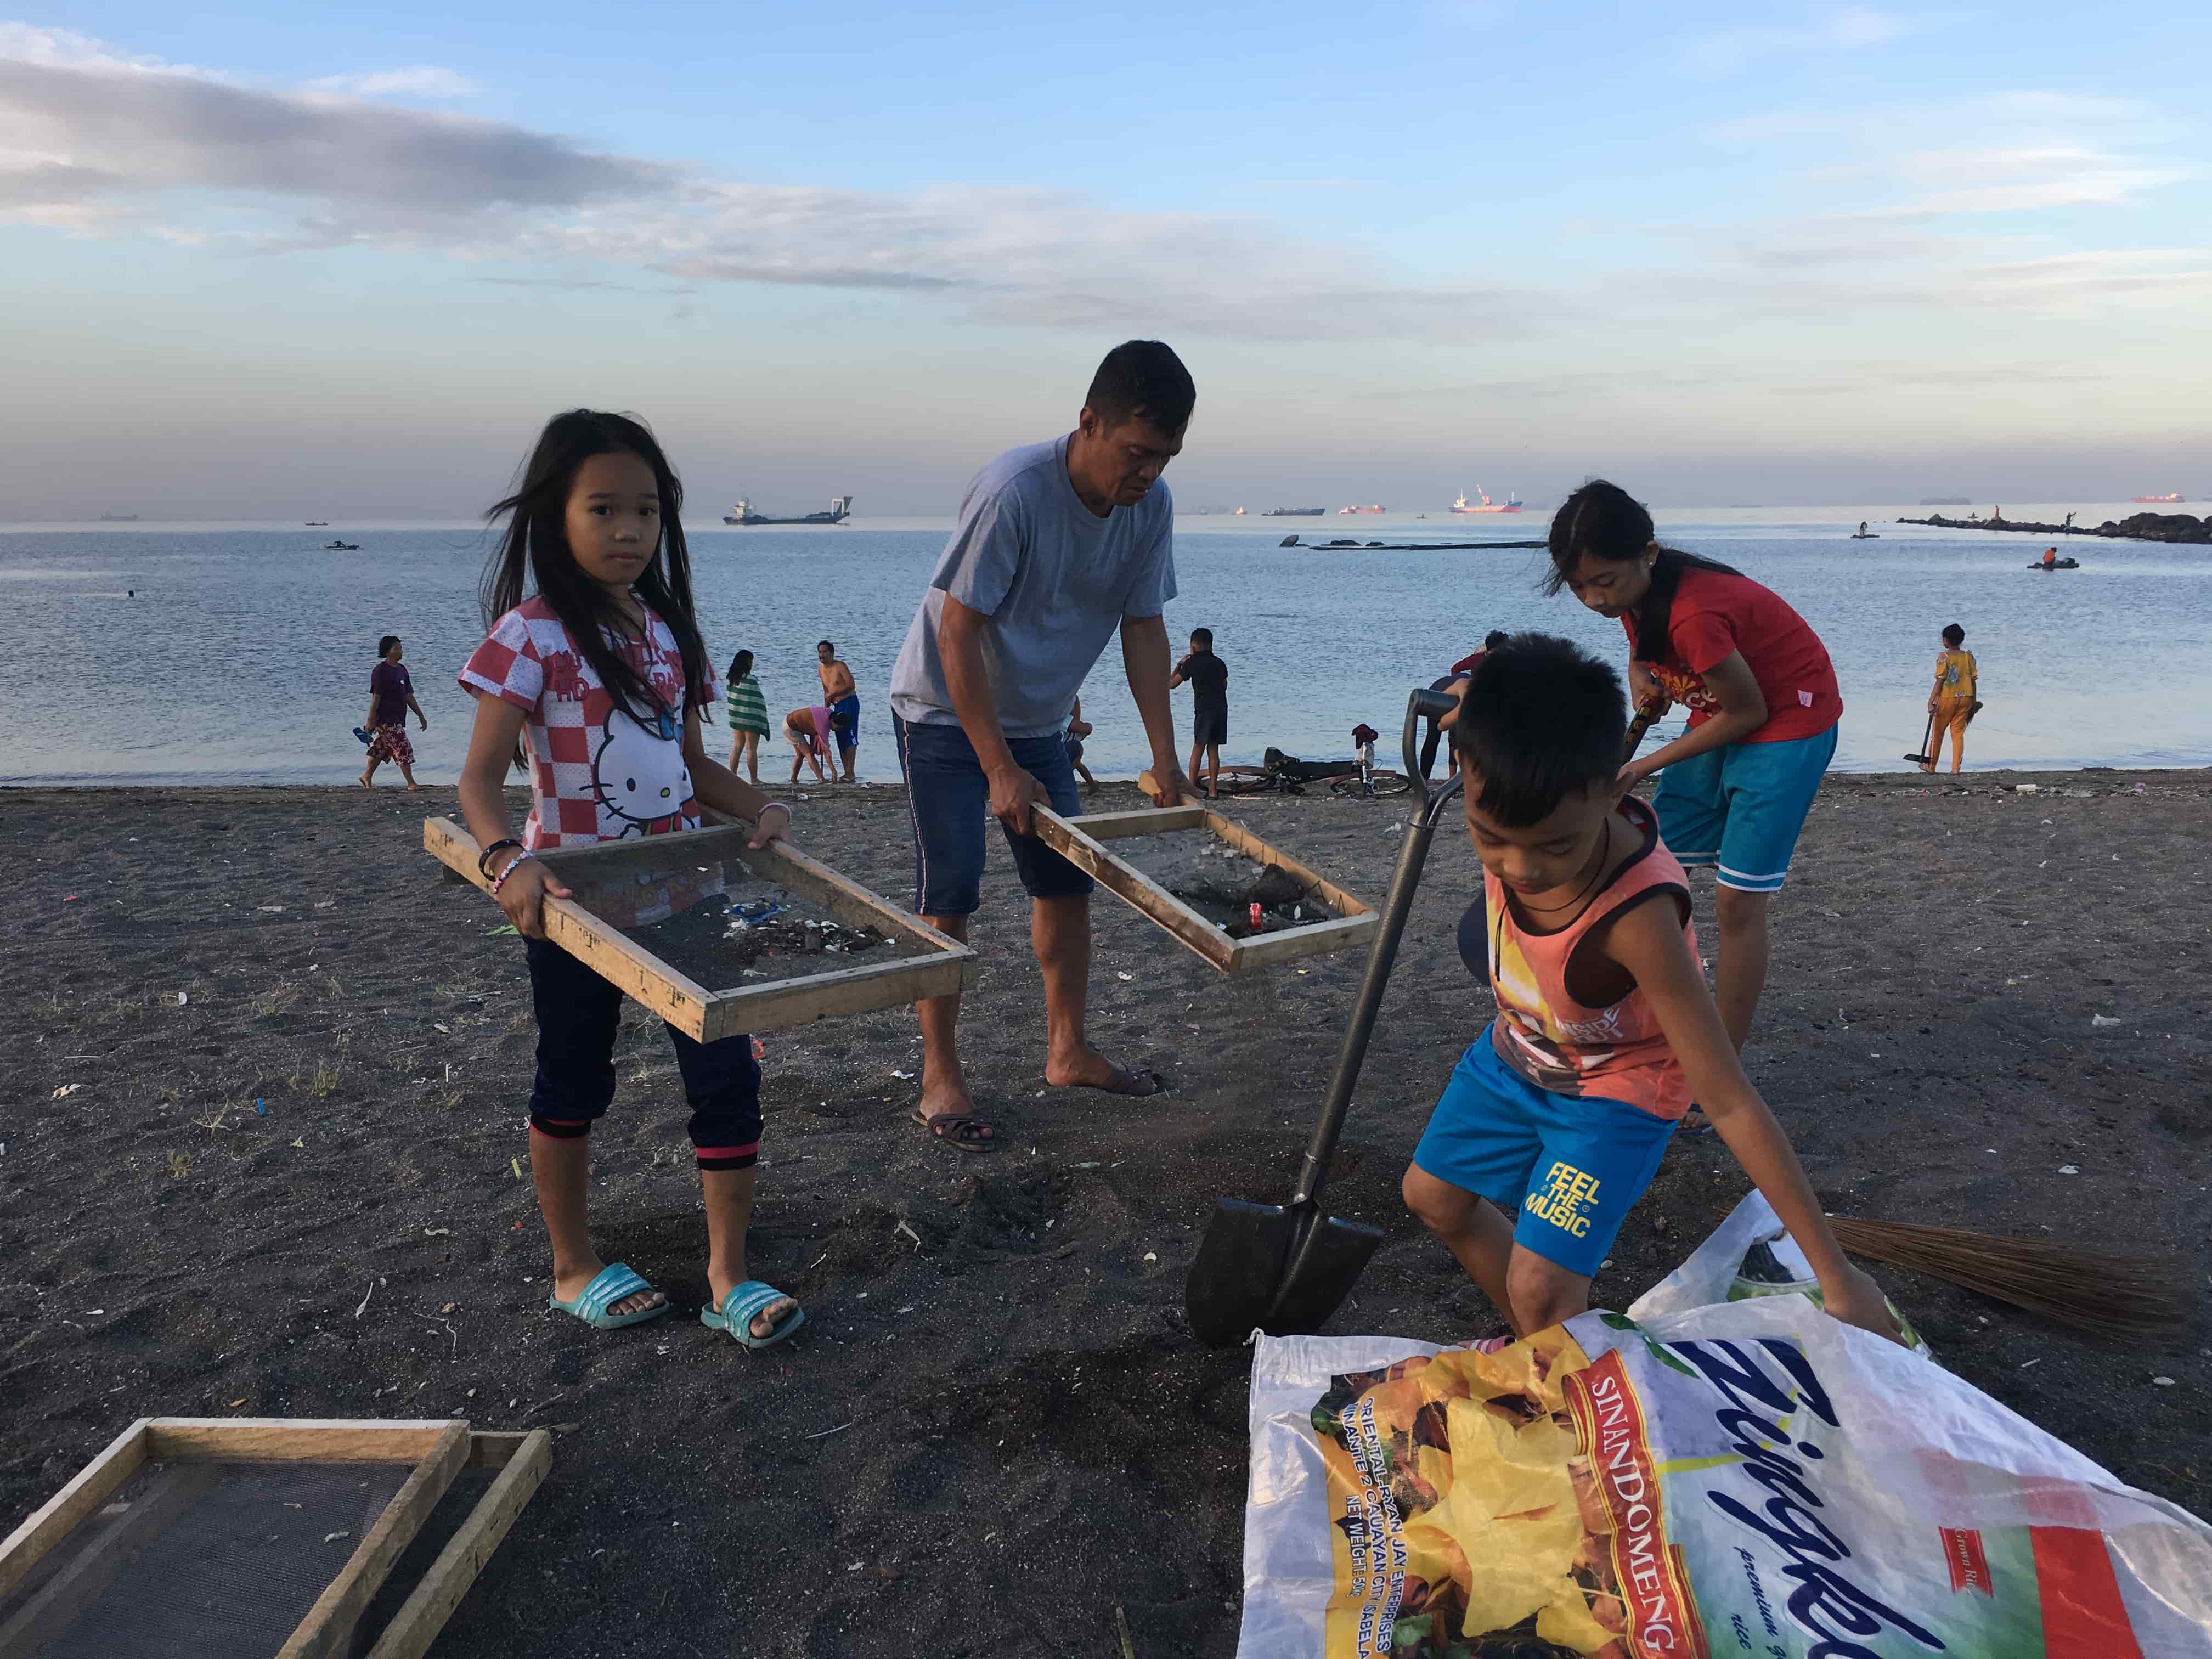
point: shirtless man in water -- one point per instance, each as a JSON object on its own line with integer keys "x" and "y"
{"x": 1061, "y": 546}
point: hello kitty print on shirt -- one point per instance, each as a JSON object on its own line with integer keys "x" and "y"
{"x": 597, "y": 773}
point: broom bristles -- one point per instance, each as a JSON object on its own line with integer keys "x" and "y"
{"x": 2103, "y": 1292}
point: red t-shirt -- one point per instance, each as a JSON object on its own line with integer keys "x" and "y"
{"x": 1715, "y": 614}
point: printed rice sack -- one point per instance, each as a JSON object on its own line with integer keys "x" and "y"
{"x": 1701, "y": 1477}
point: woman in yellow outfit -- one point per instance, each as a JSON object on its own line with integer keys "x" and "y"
{"x": 1953, "y": 701}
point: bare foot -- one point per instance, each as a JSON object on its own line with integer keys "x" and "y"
{"x": 365, "y": 782}
{"x": 570, "y": 1285}
{"x": 1086, "y": 1068}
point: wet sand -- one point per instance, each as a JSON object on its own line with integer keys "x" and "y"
{"x": 995, "y": 1430}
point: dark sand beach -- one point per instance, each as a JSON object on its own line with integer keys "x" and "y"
{"x": 995, "y": 1430}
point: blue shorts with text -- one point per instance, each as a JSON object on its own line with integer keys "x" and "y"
{"x": 1574, "y": 1165}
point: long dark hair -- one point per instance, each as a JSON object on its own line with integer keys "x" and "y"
{"x": 537, "y": 537}
{"x": 1602, "y": 520}
{"x": 740, "y": 666}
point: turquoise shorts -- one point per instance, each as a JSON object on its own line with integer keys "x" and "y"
{"x": 1574, "y": 1165}
{"x": 1737, "y": 809}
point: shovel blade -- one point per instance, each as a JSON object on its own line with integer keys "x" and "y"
{"x": 1239, "y": 1265}
{"x": 1272, "y": 1267}
{"x": 1322, "y": 1271}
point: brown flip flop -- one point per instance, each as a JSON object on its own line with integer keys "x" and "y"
{"x": 965, "y": 1130}
{"x": 1131, "y": 1074}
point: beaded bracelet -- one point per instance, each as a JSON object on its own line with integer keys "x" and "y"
{"x": 485, "y": 857}
{"x": 520, "y": 859}
{"x": 770, "y": 807}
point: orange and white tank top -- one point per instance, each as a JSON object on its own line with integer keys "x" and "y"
{"x": 1557, "y": 1044}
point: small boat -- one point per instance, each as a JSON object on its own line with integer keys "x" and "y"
{"x": 2057, "y": 564}
{"x": 1294, "y": 512}
{"x": 318, "y": 524}
{"x": 341, "y": 547}
{"x": 1863, "y": 535}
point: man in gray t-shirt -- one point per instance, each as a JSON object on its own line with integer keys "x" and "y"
{"x": 1060, "y": 545}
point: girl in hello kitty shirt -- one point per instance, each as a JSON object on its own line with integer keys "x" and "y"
{"x": 595, "y": 683}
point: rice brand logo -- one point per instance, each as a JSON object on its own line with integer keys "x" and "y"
{"x": 1610, "y": 1430}
{"x": 1826, "y": 1604}
{"x": 1566, "y": 1202}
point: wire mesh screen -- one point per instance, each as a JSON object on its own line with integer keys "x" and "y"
{"x": 208, "y": 1559}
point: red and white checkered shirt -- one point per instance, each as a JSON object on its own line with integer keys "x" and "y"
{"x": 596, "y": 773}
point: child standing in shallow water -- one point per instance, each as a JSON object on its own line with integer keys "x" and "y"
{"x": 598, "y": 677}
{"x": 1954, "y": 703}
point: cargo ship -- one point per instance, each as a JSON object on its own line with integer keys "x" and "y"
{"x": 1363, "y": 509}
{"x": 1510, "y": 504}
{"x": 2175, "y": 496}
{"x": 841, "y": 508}
{"x": 1294, "y": 512}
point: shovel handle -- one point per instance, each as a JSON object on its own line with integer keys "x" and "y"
{"x": 1382, "y": 955}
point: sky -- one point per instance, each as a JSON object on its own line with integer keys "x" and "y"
{"x": 340, "y": 261}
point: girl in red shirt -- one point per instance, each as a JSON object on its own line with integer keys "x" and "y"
{"x": 1734, "y": 788}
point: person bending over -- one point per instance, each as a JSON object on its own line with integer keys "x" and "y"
{"x": 1734, "y": 788}
{"x": 1565, "y": 1104}
{"x": 1059, "y": 546}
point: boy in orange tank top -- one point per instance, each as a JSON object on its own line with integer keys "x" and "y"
{"x": 1605, "y": 1030}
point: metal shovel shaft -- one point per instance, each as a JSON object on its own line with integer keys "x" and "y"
{"x": 1380, "y": 956}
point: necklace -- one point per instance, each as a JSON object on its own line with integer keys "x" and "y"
{"x": 1597, "y": 868}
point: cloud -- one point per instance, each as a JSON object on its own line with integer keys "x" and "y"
{"x": 90, "y": 141}
{"x": 26, "y": 43}
{"x": 581, "y": 284}
{"x": 1852, "y": 30}
{"x": 125, "y": 133}
{"x": 418, "y": 81}
{"x": 1950, "y": 210}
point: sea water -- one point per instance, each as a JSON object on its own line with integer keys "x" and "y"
{"x": 245, "y": 655}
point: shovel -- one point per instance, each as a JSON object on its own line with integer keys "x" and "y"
{"x": 1923, "y": 759}
{"x": 1283, "y": 1268}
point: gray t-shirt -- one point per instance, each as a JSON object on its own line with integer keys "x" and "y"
{"x": 1055, "y": 579}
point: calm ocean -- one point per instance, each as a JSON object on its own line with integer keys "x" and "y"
{"x": 245, "y": 656}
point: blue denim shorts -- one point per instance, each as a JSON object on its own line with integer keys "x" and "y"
{"x": 1573, "y": 1164}
{"x": 948, "y": 801}
{"x": 1739, "y": 808}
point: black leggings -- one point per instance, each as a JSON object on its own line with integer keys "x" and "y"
{"x": 578, "y": 1013}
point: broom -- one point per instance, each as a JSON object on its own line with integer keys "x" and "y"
{"x": 2102, "y": 1292}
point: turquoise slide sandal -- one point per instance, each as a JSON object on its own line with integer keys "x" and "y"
{"x": 739, "y": 1307}
{"x": 613, "y": 1284}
